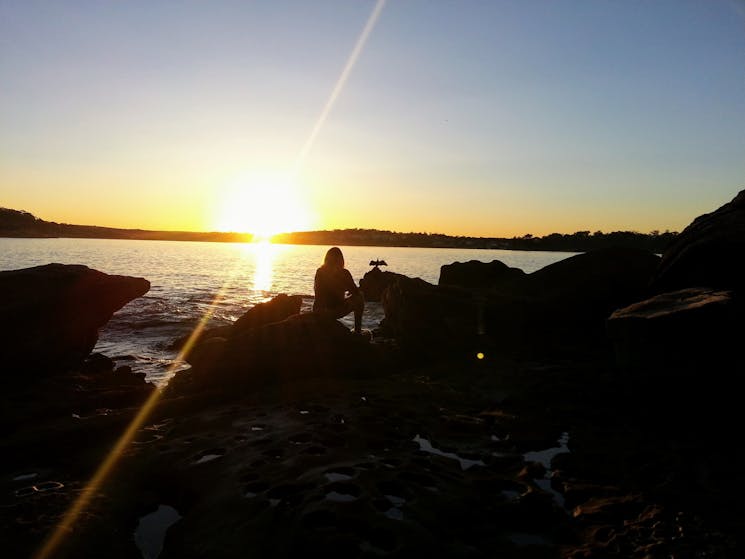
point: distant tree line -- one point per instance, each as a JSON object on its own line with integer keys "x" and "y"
{"x": 581, "y": 241}
{"x": 15, "y": 223}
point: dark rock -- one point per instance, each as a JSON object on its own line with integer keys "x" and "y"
{"x": 374, "y": 282}
{"x": 301, "y": 346}
{"x": 97, "y": 363}
{"x": 422, "y": 316}
{"x": 279, "y": 308}
{"x": 610, "y": 509}
{"x": 479, "y": 274}
{"x": 274, "y": 310}
{"x": 692, "y": 331}
{"x": 708, "y": 253}
{"x": 608, "y": 275}
{"x": 572, "y": 298}
{"x": 208, "y": 334}
{"x": 50, "y": 315}
{"x": 563, "y": 304}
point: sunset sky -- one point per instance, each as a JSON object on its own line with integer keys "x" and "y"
{"x": 484, "y": 118}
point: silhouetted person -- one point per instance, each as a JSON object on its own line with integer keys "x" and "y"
{"x": 336, "y": 293}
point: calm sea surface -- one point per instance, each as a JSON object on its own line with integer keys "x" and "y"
{"x": 220, "y": 281}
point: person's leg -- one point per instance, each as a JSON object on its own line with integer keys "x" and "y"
{"x": 357, "y": 304}
{"x": 353, "y": 303}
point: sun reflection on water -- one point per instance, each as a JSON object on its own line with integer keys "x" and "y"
{"x": 263, "y": 254}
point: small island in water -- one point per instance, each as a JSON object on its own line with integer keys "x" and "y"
{"x": 19, "y": 223}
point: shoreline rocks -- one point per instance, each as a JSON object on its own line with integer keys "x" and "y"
{"x": 678, "y": 336}
{"x": 50, "y": 315}
{"x": 479, "y": 275}
{"x": 289, "y": 435}
{"x": 375, "y": 282}
{"x": 707, "y": 253}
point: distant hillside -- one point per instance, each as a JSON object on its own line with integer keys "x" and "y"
{"x": 580, "y": 241}
{"x": 15, "y": 223}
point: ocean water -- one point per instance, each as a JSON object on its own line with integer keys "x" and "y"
{"x": 217, "y": 282}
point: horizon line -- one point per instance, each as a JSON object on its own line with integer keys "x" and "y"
{"x": 372, "y": 229}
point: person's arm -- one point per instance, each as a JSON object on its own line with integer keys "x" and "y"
{"x": 349, "y": 284}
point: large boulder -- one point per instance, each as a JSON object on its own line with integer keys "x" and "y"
{"x": 562, "y": 305}
{"x": 708, "y": 253}
{"x": 50, "y": 315}
{"x": 612, "y": 274}
{"x": 374, "y": 282}
{"x": 476, "y": 274}
{"x": 688, "y": 334}
{"x": 280, "y": 307}
{"x": 428, "y": 318}
{"x": 274, "y": 310}
{"x": 574, "y": 297}
{"x": 302, "y": 346}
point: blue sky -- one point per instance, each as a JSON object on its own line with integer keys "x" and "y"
{"x": 478, "y": 118}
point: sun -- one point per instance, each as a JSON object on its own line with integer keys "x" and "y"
{"x": 263, "y": 206}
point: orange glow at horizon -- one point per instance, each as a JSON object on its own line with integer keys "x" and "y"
{"x": 263, "y": 205}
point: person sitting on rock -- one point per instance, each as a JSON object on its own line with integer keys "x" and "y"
{"x": 336, "y": 293}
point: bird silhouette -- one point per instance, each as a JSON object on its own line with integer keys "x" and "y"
{"x": 377, "y": 263}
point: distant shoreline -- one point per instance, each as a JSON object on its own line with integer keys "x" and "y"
{"x": 21, "y": 224}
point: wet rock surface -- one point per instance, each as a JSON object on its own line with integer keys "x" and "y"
{"x": 57, "y": 430}
{"x": 472, "y": 458}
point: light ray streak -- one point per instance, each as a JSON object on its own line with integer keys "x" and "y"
{"x": 91, "y": 488}
{"x": 351, "y": 61}
{"x": 89, "y": 491}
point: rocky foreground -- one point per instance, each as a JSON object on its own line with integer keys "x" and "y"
{"x": 586, "y": 410}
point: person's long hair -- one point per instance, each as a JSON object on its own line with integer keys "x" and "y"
{"x": 334, "y": 258}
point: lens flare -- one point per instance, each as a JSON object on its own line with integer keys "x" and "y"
{"x": 104, "y": 470}
{"x": 351, "y": 61}
{"x": 70, "y": 518}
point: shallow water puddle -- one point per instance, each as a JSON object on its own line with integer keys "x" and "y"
{"x": 335, "y": 476}
{"x": 151, "y": 530}
{"x": 510, "y": 494}
{"x": 426, "y": 446}
{"x": 153, "y": 437}
{"x": 395, "y": 500}
{"x": 48, "y": 486}
{"x": 523, "y": 539}
{"x": 394, "y": 513}
{"x": 545, "y": 458}
{"x": 39, "y": 488}
{"x": 208, "y": 458}
{"x": 337, "y": 497}
{"x": 22, "y": 477}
